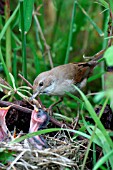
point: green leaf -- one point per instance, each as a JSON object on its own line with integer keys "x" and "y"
{"x": 6, "y": 156}
{"x": 111, "y": 4}
{"x": 105, "y": 145}
{"x": 13, "y": 80}
{"x": 40, "y": 132}
{"x": 71, "y": 32}
{"x": 74, "y": 97}
{"x": 100, "y": 32}
{"x": 104, "y": 3}
{"x": 108, "y": 55}
{"x": 28, "y": 10}
{"x": 95, "y": 77}
{"x": 3, "y": 62}
{"x": 99, "y": 96}
{"x": 4, "y": 86}
{"x": 8, "y": 22}
{"x": 95, "y": 140}
{"x": 103, "y": 159}
{"x": 91, "y": 111}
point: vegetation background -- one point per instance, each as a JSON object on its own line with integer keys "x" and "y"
{"x": 38, "y": 35}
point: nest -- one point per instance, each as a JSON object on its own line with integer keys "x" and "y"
{"x": 64, "y": 153}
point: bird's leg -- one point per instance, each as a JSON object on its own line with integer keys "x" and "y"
{"x": 75, "y": 120}
{"x": 54, "y": 104}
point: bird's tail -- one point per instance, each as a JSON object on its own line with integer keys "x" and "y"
{"x": 98, "y": 56}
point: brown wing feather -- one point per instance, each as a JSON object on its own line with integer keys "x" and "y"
{"x": 74, "y": 71}
{"x": 82, "y": 71}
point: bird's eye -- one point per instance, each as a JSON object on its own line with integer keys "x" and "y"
{"x": 41, "y": 84}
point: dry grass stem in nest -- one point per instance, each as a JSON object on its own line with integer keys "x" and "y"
{"x": 62, "y": 154}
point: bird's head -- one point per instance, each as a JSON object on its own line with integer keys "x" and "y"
{"x": 43, "y": 84}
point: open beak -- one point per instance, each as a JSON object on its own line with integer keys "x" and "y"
{"x": 39, "y": 120}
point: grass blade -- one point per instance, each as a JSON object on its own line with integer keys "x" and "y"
{"x": 102, "y": 160}
{"x": 71, "y": 32}
{"x": 23, "y": 36}
{"x": 4, "y": 66}
{"x": 8, "y": 22}
{"x": 28, "y": 10}
{"x": 104, "y": 3}
{"x": 91, "y": 21}
{"x": 40, "y": 132}
{"x": 95, "y": 117}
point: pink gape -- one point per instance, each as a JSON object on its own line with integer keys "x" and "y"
{"x": 3, "y": 126}
{"x": 39, "y": 120}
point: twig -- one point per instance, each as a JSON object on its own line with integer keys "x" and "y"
{"x": 15, "y": 106}
{"x": 39, "y": 103}
{"x": 76, "y": 120}
{"x": 96, "y": 57}
{"x": 17, "y": 158}
{"x": 43, "y": 38}
{"x": 26, "y": 110}
{"x": 27, "y": 82}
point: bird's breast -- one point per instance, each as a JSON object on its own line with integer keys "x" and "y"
{"x": 63, "y": 87}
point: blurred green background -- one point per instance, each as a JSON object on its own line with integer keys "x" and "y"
{"x": 47, "y": 33}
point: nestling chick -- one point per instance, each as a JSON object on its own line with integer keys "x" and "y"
{"x": 39, "y": 120}
{"x": 3, "y": 126}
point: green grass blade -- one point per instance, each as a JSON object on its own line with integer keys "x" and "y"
{"x": 4, "y": 66}
{"x": 95, "y": 117}
{"x": 40, "y": 132}
{"x": 108, "y": 55}
{"x": 4, "y": 86}
{"x": 92, "y": 78}
{"x": 13, "y": 81}
{"x": 94, "y": 154}
{"x": 28, "y": 10}
{"x": 93, "y": 136}
{"x": 104, "y": 144}
{"x": 36, "y": 58}
{"x": 15, "y": 66}
{"x": 104, "y": 3}
{"x": 95, "y": 140}
{"x": 111, "y": 4}
{"x": 71, "y": 32}
{"x": 8, "y": 22}
{"x": 102, "y": 160}
{"x": 74, "y": 97}
{"x": 8, "y": 54}
{"x": 23, "y": 36}
{"x": 100, "y": 32}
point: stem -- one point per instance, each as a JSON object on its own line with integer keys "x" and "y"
{"x": 55, "y": 28}
{"x": 70, "y": 33}
{"x": 105, "y": 42}
{"x": 8, "y": 37}
{"x": 4, "y": 65}
{"x": 44, "y": 40}
{"x": 15, "y": 66}
{"x": 23, "y": 36}
{"x": 93, "y": 135}
{"x": 8, "y": 23}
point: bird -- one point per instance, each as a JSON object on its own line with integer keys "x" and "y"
{"x": 39, "y": 120}
{"x": 60, "y": 79}
{"x": 3, "y": 126}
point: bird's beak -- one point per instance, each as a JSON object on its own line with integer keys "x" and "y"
{"x": 34, "y": 95}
